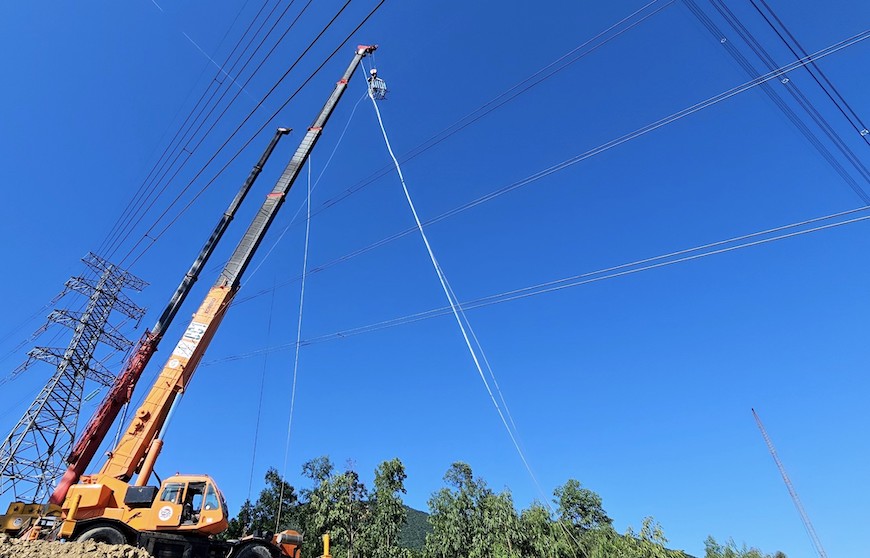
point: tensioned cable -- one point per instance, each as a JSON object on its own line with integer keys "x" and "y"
{"x": 590, "y": 153}
{"x": 265, "y": 124}
{"x": 298, "y": 345}
{"x": 527, "y": 80}
{"x": 274, "y": 245}
{"x": 777, "y": 99}
{"x": 185, "y": 136}
{"x": 253, "y": 272}
{"x": 260, "y": 400}
{"x": 161, "y": 161}
{"x": 587, "y": 47}
{"x": 230, "y": 104}
{"x": 861, "y": 128}
{"x": 525, "y": 85}
{"x": 630, "y": 268}
{"x": 455, "y": 306}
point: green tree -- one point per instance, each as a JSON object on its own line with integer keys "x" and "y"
{"x": 455, "y": 514}
{"x": 500, "y": 536}
{"x": 713, "y": 549}
{"x": 580, "y": 507}
{"x": 387, "y": 513}
{"x": 262, "y": 516}
{"x": 240, "y": 525}
{"x": 470, "y": 521}
{"x": 334, "y": 504}
{"x": 539, "y": 536}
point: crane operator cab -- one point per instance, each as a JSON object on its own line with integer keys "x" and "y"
{"x": 189, "y": 503}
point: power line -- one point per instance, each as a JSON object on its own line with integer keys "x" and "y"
{"x": 587, "y": 154}
{"x": 587, "y": 47}
{"x": 813, "y": 69}
{"x": 200, "y": 121}
{"x": 759, "y": 238}
{"x": 747, "y": 66}
{"x": 157, "y": 168}
{"x": 268, "y": 121}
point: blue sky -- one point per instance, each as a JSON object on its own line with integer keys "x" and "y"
{"x": 640, "y": 386}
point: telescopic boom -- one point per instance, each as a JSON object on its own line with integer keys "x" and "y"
{"x": 122, "y": 389}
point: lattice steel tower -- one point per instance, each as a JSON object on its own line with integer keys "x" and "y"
{"x": 32, "y": 457}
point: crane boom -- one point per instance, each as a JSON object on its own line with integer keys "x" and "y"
{"x": 139, "y": 446}
{"x": 122, "y": 389}
{"x": 178, "y": 518}
{"x": 808, "y": 525}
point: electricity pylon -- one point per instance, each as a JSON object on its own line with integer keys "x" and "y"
{"x": 33, "y": 454}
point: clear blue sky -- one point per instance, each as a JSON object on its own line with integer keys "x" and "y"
{"x": 640, "y": 386}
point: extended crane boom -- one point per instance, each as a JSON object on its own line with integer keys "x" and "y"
{"x": 106, "y": 506}
{"x": 122, "y": 389}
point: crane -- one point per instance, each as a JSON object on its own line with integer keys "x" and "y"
{"x": 20, "y": 515}
{"x": 177, "y": 518}
{"x": 808, "y": 525}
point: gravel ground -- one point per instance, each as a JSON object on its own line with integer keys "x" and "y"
{"x": 14, "y": 548}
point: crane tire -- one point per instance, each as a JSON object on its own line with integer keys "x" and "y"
{"x": 104, "y": 534}
{"x": 254, "y": 551}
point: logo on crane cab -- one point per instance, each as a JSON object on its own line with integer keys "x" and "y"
{"x": 164, "y": 513}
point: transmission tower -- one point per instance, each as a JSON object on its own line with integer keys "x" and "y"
{"x": 32, "y": 455}
{"x": 792, "y": 492}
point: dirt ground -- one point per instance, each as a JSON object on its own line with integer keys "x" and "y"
{"x": 13, "y": 548}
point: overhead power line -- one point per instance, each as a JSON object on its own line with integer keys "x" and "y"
{"x": 154, "y": 237}
{"x": 815, "y": 71}
{"x": 759, "y": 238}
{"x": 582, "y": 156}
{"x": 574, "y": 55}
{"x": 777, "y": 99}
{"x": 175, "y": 145}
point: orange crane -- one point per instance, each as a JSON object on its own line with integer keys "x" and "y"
{"x": 178, "y": 518}
{"x": 808, "y": 525}
{"x": 21, "y": 516}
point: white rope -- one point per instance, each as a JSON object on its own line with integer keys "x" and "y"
{"x": 454, "y": 303}
{"x": 298, "y": 345}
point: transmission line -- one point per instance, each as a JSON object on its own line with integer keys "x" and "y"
{"x": 311, "y": 76}
{"x": 184, "y": 144}
{"x": 758, "y": 238}
{"x": 816, "y": 72}
{"x": 148, "y": 182}
{"x": 586, "y": 155}
{"x": 777, "y": 99}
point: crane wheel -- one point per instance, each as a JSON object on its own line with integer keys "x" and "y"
{"x": 254, "y": 551}
{"x": 103, "y": 534}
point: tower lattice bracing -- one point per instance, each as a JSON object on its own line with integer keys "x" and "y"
{"x": 32, "y": 457}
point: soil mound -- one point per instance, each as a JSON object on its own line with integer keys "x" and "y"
{"x": 14, "y": 548}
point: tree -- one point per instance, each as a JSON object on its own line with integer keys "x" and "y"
{"x": 470, "y": 521}
{"x": 334, "y": 504}
{"x": 348, "y": 497}
{"x": 713, "y": 549}
{"x": 387, "y": 513}
{"x": 539, "y": 536}
{"x": 580, "y": 507}
{"x": 277, "y": 498}
{"x": 455, "y": 514}
{"x": 240, "y": 525}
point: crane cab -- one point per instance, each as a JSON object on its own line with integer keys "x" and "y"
{"x": 181, "y": 504}
{"x": 187, "y": 503}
